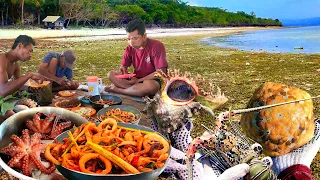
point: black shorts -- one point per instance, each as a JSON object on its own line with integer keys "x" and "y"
{"x": 157, "y": 80}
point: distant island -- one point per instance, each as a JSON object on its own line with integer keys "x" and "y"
{"x": 116, "y": 13}
{"x": 301, "y": 22}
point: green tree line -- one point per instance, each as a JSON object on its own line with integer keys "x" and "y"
{"x": 115, "y": 13}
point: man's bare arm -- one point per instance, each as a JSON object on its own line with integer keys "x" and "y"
{"x": 50, "y": 75}
{"x": 17, "y": 75}
{"x": 6, "y": 87}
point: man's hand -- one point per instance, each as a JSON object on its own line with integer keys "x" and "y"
{"x": 37, "y": 77}
{"x": 235, "y": 172}
{"x": 302, "y": 155}
{"x": 123, "y": 70}
{"x": 133, "y": 80}
{"x": 62, "y": 82}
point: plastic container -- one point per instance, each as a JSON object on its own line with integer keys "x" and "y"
{"x": 94, "y": 84}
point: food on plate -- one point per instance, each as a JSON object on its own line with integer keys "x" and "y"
{"x": 68, "y": 103}
{"x": 120, "y": 115}
{"x": 66, "y": 93}
{"x": 48, "y": 125}
{"x": 35, "y": 84}
{"x": 25, "y": 152}
{"x": 108, "y": 148}
{"x": 84, "y": 111}
{"x": 104, "y": 101}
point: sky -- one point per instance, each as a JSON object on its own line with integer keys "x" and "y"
{"x": 280, "y": 9}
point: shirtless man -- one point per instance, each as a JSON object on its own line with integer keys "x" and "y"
{"x": 146, "y": 55}
{"x": 21, "y": 50}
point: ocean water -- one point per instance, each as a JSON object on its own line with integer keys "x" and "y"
{"x": 294, "y": 40}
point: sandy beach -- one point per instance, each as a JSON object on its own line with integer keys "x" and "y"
{"x": 86, "y": 34}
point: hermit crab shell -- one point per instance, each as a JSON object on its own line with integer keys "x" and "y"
{"x": 177, "y": 89}
{"x": 282, "y": 128}
{"x": 180, "y": 90}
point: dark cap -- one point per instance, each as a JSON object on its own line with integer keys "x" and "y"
{"x": 69, "y": 58}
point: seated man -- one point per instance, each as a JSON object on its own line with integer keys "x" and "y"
{"x": 55, "y": 66}
{"x": 21, "y": 50}
{"x": 146, "y": 55}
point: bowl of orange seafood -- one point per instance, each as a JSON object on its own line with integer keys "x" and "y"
{"x": 99, "y": 102}
{"x": 121, "y": 113}
{"x": 24, "y": 137}
{"x": 68, "y": 103}
{"x": 109, "y": 150}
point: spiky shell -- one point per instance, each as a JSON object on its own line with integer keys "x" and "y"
{"x": 283, "y": 128}
{"x": 181, "y": 89}
{"x": 177, "y": 89}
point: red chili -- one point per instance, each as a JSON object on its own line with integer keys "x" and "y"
{"x": 135, "y": 160}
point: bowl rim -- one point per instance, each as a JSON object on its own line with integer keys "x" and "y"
{"x": 4, "y": 165}
{"x": 12, "y": 172}
{"x": 119, "y": 106}
{"x": 86, "y": 101}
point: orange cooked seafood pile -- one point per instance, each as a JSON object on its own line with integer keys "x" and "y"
{"x": 109, "y": 149}
{"x": 120, "y": 116}
{"x": 105, "y": 101}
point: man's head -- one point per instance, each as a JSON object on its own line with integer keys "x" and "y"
{"x": 136, "y": 33}
{"x": 68, "y": 58}
{"x": 23, "y": 45}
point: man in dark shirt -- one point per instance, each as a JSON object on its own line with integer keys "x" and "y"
{"x": 56, "y": 66}
{"x": 146, "y": 56}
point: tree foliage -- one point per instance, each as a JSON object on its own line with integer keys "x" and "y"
{"x": 167, "y": 13}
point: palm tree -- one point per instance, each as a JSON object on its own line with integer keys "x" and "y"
{"x": 38, "y": 5}
{"x": 22, "y": 6}
{"x": 22, "y": 10}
